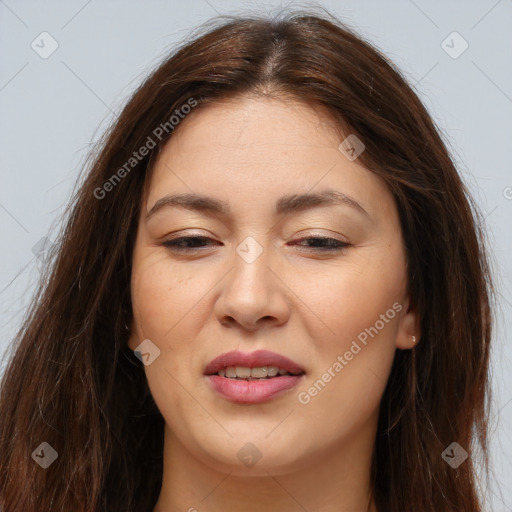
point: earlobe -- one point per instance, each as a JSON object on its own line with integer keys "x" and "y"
{"x": 409, "y": 331}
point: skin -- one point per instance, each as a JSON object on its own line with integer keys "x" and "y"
{"x": 303, "y": 302}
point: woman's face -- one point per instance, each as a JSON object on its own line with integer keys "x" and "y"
{"x": 270, "y": 238}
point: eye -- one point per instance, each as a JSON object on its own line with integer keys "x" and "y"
{"x": 187, "y": 243}
{"x": 318, "y": 243}
{"x": 323, "y": 243}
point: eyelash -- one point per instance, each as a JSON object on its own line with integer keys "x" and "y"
{"x": 332, "y": 244}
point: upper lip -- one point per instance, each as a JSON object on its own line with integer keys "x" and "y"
{"x": 251, "y": 360}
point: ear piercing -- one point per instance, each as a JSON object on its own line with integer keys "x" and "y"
{"x": 414, "y": 339}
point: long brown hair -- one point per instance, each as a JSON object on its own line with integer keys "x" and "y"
{"x": 73, "y": 382}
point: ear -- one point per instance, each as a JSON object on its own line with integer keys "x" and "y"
{"x": 408, "y": 326}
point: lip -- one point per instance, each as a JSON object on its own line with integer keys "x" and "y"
{"x": 252, "y": 391}
{"x": 251, "y": 360}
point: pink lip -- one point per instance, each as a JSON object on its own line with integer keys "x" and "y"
{"x": 252, "y": 391}
{"x": 251, "y": 360}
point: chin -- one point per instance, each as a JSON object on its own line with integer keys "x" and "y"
{"x": 255, "y": 458}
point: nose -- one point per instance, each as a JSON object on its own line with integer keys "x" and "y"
{"x": 252, "y": 295}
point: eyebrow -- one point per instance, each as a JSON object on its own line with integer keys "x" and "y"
{"x": 287, "y": 204}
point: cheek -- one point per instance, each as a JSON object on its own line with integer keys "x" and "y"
{"x": 167, "y": 304}
{"x": 354, "y": 328}
{"x": 339, "y": 303}
{"x": 162, "y": 297}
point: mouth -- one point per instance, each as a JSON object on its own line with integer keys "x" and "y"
{"x": 250, "y": 378}
{"x": 258, "y": 373}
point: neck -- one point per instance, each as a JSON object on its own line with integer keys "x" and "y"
{"x": 336, "y": 481}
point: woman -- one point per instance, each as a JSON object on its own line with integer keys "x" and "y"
{"x": 271, "y": 293}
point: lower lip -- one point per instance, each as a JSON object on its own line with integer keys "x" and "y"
{"x": 252, "y": 391}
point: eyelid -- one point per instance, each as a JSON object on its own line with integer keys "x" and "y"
{"x": 171, "y": 243}
{"x": 320, "y": 232}
{"x": 324, "y": 234}
{"x": 185, "y": 233}
{"x": 333, "y": 245}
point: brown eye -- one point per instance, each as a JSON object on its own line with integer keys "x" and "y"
{"x": 324, "y": 243}
{"x": 187, "y": 243}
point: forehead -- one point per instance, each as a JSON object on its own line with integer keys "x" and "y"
{"x": 257, "y": 127}
{"x": 254, "y": 148}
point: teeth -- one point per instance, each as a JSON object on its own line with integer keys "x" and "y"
{"x": 272, "y": 371}
{"x": 244, "y": 372}
{"x": 231, "y": 371}
{"x": 259, "y": 373}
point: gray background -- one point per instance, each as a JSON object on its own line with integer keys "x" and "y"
{"x": 53, "y": 108}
